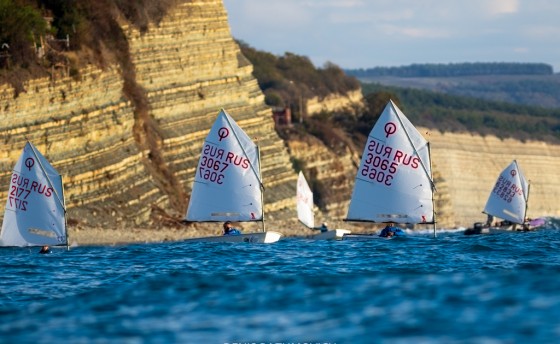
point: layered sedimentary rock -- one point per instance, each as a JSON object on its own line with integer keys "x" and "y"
{"x": 190, "y": 67}
{"x": 85, "y": 129}
{"x": 335, "y": 102}
{"x": 330, "y": 174}
{"x": 126, "y": 147}
{"x": 471, "y": 164}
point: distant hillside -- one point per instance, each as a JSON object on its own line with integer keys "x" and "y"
{"x": 456, "y": 113}
{"x": 292, "y": 79}
{"x": 527, "y": 84}
{"x": 284, "y": 78}
{"x": 455, "y": 69}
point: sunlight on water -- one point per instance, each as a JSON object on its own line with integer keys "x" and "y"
{"x": 454, "y": 288}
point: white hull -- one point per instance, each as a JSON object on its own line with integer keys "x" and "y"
{"x": 331, "y": 234}
{"x": 259, "y": 238}
{"x": 364, "y": 237}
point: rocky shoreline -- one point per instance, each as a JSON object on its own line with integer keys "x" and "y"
{"x": 93, "y": 236}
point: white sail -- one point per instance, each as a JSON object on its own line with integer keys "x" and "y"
{"x": 394, "y": 182}
{"x": 304, "y": 200}
{"x": 35, "y": 209}
{"x": 508, "y": 199}
{"x": 227, "y": 185}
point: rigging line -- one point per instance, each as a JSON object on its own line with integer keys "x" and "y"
{"x": 525, "y": 196}
{"x": 414, "y": 148}
{"x": 243, "y": 149}
{"x": 47, "y": 176}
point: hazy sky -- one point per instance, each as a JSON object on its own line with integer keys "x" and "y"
{"x": 370, "y": 33}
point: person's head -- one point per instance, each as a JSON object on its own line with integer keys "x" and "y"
{"x": 390, "y": 233}
{"x": 227, "y": 226}
{"x": 324, "y": 224}
{"x": 45, "y": 247}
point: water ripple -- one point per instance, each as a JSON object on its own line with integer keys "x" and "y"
{"x": 452, "y": 289}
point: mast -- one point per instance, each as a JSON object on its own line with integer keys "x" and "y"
{"x": 258, "y": 175}
{"x": 414, "y": 147}
{"x": 58, "y": 197}
{"x": 422, "y": 163}
{"x": 525, "y": 196}
{"x": 262, "y": 189}
{"x": 65, "y": 220}
{"x": 527, "y": 200}
{"x": 433, "y": 187}
{"x": 47, "y": 176}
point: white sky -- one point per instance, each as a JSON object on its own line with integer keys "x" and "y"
{"x": 371, "y": 33}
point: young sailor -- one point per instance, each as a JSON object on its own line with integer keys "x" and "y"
{"x": 390, "y": 231}
{"x": 45, "y": 249}
{"x": 229, "y": 230}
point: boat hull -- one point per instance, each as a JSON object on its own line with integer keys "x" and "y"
{"x": 331, "y": 234}
{"x": 364, "y": 237}
{"x": 258, "y": 238}
{"x": 531, "y": 226}
{"x": 477, "y": 230}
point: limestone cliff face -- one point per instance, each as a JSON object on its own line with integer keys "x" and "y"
{"x": 126, "y": 147}
{"x": 120, "y": 154}
{"x": 330, "y": 173}
{"x": 335, "y": 102}
{"x": 471, "y": 164}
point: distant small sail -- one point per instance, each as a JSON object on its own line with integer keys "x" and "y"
{"x": 304, "y": 201}
{"x": 508, "y": 198}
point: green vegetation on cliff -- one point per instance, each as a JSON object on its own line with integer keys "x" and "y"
{"x": 456, "y": 69}
{"x": 37, "y": 35}
{"x": 454, "y": 113}
{"x": 291, "y": 78}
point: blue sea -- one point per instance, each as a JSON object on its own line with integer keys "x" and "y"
{"x": 497, "y": 288}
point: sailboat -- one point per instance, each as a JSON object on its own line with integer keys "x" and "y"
{"x": 35, "y": 213}
{"x": 228, "y": 184}
{"x": 508, "y": 200}
{"x": 394, "y": 181}
{"x": 306, "y": 215}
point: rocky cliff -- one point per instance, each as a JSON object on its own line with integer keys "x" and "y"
{"x": 470, "y": 164}
{"x": 335, "y": 102}
{"x": 127, "y": 141}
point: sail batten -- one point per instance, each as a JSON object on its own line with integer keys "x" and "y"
{"x": 35, "y": 212}
{"x": 227, "y": 184}
{"x": 394, "y": 180}
{"x": 508, "y": 198}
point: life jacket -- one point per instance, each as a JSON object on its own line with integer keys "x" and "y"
{"x": 233, "y": 231}
{"x": 395, "y": 230}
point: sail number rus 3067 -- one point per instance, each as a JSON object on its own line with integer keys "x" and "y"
{"x": 214, "y": 162}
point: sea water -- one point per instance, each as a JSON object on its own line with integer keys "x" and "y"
{"x": 496, "y": 288}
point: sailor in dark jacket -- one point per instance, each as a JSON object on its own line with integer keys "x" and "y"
{"x": 45, "y": 249}
{"x": 391, "y": 231}
{"x": 229, "y": 230}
